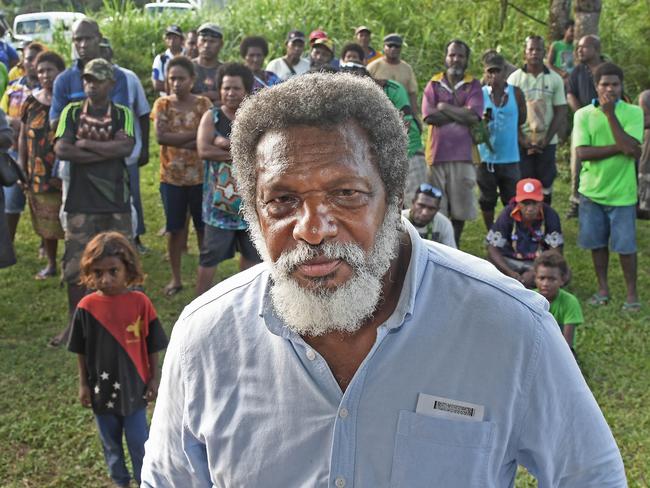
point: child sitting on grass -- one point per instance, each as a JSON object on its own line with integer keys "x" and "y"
{"x": 117, "y": 336}
{"x": 551, "y": 272}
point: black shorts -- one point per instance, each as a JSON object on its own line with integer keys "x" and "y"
{"x": 221, "y": 244}
{"x": 497, "y": 180}
{"x": 540, "y": 166}
{"x": 176, "y": 201}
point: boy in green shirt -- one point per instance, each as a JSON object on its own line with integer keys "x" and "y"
{"x": 607, "y": 136}
{"x": 551, "y": 272}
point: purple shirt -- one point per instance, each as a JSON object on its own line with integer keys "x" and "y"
{"x": 450, "y": 142}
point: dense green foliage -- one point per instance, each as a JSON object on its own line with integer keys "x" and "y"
{"x": 426, "y": 26}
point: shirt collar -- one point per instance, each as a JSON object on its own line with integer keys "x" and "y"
{"x": 405, "y": 304}
{"x": 442, "y": 79}
{"x": 546, "y": 71}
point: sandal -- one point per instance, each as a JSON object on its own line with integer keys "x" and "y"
{"x": 44, "y": 274}
{"x": 171, "y": 290}
{"x": 631, "y": 307}
{"x": 598, "y": 300}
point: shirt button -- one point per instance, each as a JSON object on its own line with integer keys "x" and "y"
{"x": 311, "y": 355}
{"x": 339, "y": 482}
{"x": 343, "y": 412}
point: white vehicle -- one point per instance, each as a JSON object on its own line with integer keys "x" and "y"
{"x": 169, "y": 7}
{"x": 41, "y": 25}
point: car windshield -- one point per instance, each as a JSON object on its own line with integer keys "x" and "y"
{"x": 33, "y": 26}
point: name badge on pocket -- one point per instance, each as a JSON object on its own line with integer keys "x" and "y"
{"x": 446, "y": 408}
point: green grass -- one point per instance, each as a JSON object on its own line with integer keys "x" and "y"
{"x": 48, "y": 440}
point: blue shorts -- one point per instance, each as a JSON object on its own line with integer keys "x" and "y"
{"x": 177, "y": 200}
{"x": 14, "y": 199}
{"x": 602, "y": 226}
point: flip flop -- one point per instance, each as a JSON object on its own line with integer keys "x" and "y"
{"x": 598, "y": 300}
{"x": 631, "y": 307}
{"x": 170, "y": 291}
{"x": 44, "y": 274}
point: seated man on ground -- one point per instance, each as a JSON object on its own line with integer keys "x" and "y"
{"x": 551, "y": 272}
{"x": 423, "y": 214}
{"x": 525, "y": 228}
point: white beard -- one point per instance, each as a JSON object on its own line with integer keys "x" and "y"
{"x": 318, "y": 310}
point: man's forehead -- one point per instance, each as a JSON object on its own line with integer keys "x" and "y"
{"x": 85, "y": 29}
{"x": 278, "y": 148}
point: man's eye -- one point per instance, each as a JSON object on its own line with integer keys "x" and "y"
{"x": 347, "y": 193}
{"x": 283, "y": 200}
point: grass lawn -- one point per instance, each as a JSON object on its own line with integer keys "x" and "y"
{"x": 48, "y": 440}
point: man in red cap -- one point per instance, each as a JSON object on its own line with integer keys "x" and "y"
{"x": 525, "y": 228}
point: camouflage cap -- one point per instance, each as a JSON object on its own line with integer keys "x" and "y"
{"x": 100, "y": 69}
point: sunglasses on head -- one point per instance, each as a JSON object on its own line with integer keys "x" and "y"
{"x": 393, "y": 46}
{"x": 430, "y": 190}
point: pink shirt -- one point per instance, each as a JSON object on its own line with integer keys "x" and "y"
{"x": 450, "y": 142}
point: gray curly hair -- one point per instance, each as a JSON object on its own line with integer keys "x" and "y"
{"x": 324, "y": 100}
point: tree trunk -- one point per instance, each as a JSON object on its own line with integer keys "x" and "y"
{"x": 587, "y": 15}
{"x": 558, "y": 15}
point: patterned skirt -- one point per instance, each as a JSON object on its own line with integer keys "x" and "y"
{"x": 45, "y": 214}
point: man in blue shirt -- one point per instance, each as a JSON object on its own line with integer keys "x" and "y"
{"x": 68, "y": 87}
{"x": 8, "y": 55}
{"x": 358, "y": 354}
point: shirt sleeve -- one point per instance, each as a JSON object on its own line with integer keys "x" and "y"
{"x": 120, "y": 93}
{"x": 446, "y": 232}
{"x": 141, "y": 106}
{"x": 573, "y": 82}
{"x": 124, "y": 121}
{"x": 559, "y": 97}
{"x": 573, "y": 313}
{"x": 159, "y": 112}
{"x": 553, "y": 228}
{"x": 157, "y": 69}
{"x": 59, "y": 100}
{"x": 475, "y": 100}
{"x": 565, "y": 442}
{"x": 156, "y": 337}
{"x": 429, "y": 101}
{"x": 580, "y": 134}
{"x": 633, "y": 125}
{"x": 66, "y": 130}
{"x": 174, "y": 456}
{"x": 499, "y": 234}
{"x": 77, "y": 341}
{"x": 11, "y": 53}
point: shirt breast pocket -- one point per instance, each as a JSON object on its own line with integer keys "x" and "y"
{"x": 432, "y": 452}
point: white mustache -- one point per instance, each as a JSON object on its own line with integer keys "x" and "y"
{"x": 349, "y": 252}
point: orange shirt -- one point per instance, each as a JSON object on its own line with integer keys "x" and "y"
{"x": 179, "y": 166}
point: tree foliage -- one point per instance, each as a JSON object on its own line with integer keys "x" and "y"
{"x": 427, "y": 25}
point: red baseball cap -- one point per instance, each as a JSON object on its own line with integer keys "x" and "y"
{"x": 529, "y": 189}
{"x": 317, "y": 34}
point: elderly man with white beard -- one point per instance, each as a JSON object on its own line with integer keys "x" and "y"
{"x": 358, "y": 354}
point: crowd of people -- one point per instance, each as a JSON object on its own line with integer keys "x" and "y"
{"x": 81, "y": 134}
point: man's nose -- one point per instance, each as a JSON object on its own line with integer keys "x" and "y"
{"x": 315, "y": 224}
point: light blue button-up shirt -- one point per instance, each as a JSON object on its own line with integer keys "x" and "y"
{"x": 245, "y": 402}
